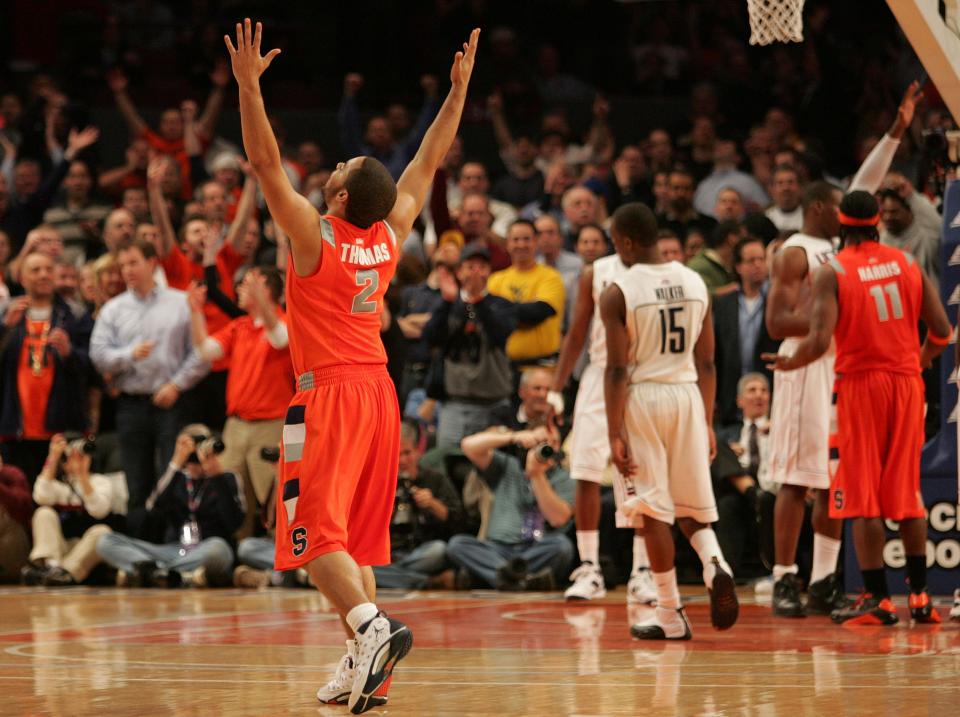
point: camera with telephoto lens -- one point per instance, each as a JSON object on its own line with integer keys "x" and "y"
{"x": 271, "y": 454}
{"x": 545, "y": 453}
{"x": 205, "y": 444}
{"x": 79, "y": 444}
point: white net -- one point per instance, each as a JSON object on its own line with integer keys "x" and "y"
{"x": 775, "y": 21}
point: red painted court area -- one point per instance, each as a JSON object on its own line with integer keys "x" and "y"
{"x": 265, "y": 653}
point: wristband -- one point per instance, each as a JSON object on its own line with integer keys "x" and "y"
{"x": 938, "y": 340}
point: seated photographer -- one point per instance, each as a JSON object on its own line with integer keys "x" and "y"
{"x": 73, "y": 514}
{"x": 426, "y": 512}
{"x": 198, "y": 507}
{"x": 526, "y": 547}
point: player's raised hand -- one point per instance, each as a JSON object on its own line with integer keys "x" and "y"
{"x": 908, "y": 106}
{"x": 245, "y": 58}
{"x": 463, "y": 61}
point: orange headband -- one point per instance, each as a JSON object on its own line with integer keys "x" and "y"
{"x": 849, "y": 221}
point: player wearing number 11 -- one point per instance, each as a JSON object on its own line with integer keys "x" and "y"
{"x": 870, "y": 297}
{"x": 341, "y": 435}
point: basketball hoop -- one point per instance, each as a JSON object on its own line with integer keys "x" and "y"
{"x": 775, "y": 21}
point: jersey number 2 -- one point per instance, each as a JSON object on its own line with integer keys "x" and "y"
{"x": 893, "y": 291}
{"x": 672, "y": 337}
{"x": 369, "y": 279}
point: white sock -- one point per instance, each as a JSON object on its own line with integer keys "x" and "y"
{"x": 826, "y": 551}
{"x": 588, "y": 544}
{"x": 361, "y": 615}
{"x": 704, "y": 541}
{"x": 780, "y": 570}
{"x": 668, "y": 594}
{"x": 640, "y": 559}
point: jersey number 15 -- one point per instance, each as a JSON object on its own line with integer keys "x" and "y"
{"x": 673, "y": 337}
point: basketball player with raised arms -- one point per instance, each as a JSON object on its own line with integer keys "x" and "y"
{"x": 341, "y": 436}
{"x": 589, "y": 449}
{"x": 870, "y": 298}
{"x": 800, "y": 416}
{"x": 659, "y": 388}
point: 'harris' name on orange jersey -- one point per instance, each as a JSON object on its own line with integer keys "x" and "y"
{"x": 878, "y": 271}
{"x": 363, "y": 256}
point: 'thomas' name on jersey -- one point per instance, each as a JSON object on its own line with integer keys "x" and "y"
{"x": 818, "y": 251}
{"x": 666, "y": 305}
{"x": 605, "y": 271}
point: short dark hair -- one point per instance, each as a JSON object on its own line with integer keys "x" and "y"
{"x": 523, "y": 222}
{"x": 818, "y": 191}
{"x": 372, "y": 193}
{"x": 718, "y": 237}
{"x": 740, "y": 245}
{"x": 592, "y": 225}
{"x": 668, "y": 233}
{"x": 636, "y": 222}
{"x": 274, "y": 280}
{"x": 146, "y": 248}
{"x": 759, "y": 226}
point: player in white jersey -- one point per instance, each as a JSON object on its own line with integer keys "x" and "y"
{"x": 659, "y": 388}
{"x": 589, "y": 450}
{"x": 801, "y": 415}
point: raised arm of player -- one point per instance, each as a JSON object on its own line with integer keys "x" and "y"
{"x": 786, "y": 314}
{"x": 417, "y": 178}
{"x": 823, "y": 320}
{"x": 290, "y": 210}
{"x": 576, "y": 336}
{"x": 613, "y": 313}
{"x": 938, "y": 325}
{"x": 703, "y": 352}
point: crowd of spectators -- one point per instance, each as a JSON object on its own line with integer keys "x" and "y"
{"x": 143, "y": 303}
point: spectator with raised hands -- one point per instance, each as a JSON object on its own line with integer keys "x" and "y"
{"x": 132, "y": 173}
{"x": 378, "y": 141}
{"x": 169, "y": 137}
{"x": 260, "y": 380}
{"x": 34, "y": 194}
{"x": 44, "y": 368}
{"x": 75, "y": 510}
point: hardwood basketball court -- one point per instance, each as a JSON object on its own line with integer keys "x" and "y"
{"x": 83, "y": 651}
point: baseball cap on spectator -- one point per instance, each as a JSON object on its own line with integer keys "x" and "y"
{"x": 475, "y": 251}
{"x": 453, "y": 235}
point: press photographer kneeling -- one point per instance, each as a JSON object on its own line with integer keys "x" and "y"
{"x": 197, "y": 508}
{"x": 73, "y": 514}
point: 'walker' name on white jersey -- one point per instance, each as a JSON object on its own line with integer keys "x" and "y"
{"x": 819, "y": 252}
{"x": 605, "y": 271}
{"x": 666, "y": 305}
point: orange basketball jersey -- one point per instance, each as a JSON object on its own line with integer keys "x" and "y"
{"x": 334, "y": 314}
{"x": 880, "y": 292}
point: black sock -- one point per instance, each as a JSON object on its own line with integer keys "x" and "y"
{"x": 875, "y": 583}
{"x": 917, "y": 573}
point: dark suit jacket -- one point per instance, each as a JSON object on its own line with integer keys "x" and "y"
{"x": 726, "y": 325}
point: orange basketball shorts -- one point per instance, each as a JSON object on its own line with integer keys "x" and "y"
{"x": 338, "y": 467}
{"x": 875, "y": 451}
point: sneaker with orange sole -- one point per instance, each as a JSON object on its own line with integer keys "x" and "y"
{"x": 867, "y": 610}
{"x": 922, "y": 609}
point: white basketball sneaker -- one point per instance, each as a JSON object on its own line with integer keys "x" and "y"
{"x": 955, "y": 610}
{"x": 381, "y": 643}
{"x": 641, "y": 589}
{"x": 337, "y": 690}
{"x": 587, "y": 583}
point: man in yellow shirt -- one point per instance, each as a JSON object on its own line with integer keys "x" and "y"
{"x": 538, "y": 292}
